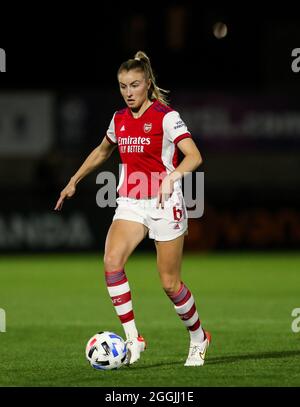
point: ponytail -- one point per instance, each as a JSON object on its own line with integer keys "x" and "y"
{"x": 142, "y": 62}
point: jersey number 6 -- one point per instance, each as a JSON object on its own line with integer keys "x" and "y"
{"x": 177, "y": 213}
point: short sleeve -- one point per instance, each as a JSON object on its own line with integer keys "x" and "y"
{"x": 174, "y": 127}
{"x": 110, "y": 134}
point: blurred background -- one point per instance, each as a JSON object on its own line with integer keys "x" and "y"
{"x": 230, "y": 76}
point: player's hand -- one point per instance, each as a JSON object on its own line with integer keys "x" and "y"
{"x": 165, "y": 191}
{"x": 66, "y": 193}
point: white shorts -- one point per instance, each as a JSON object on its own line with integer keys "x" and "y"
{"x": 163, "y": 224}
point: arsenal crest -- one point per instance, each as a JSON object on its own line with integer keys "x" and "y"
{"x": 147, "y": 127}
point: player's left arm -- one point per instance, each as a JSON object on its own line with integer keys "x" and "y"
{"x": 192, "y": 160}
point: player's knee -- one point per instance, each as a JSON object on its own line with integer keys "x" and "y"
{"x": 171, "y": 286}
{"x": 113, "y": 261}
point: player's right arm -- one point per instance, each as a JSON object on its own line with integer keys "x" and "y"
{"x": 95, "y": 159}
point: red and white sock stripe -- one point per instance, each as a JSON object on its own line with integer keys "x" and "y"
{"x": 185, "y": 307}
{"x": 119, "y": 291}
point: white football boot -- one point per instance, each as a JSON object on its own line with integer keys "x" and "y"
{"x": 197, "y": 351}
{"x": 134, "y": 348}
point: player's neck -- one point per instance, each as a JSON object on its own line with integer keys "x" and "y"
{"x": 136, "y": 113}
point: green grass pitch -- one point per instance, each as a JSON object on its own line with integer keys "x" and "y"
{"x": 55, "y": 303}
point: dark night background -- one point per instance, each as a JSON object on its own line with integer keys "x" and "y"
{"x": 238, "y": 96}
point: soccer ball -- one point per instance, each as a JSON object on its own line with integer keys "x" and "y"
{"x": 106, "y": 351}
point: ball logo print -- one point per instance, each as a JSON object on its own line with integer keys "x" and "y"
{"x": 2, "y": 320}
{"x": 296, "y": 62}
{"x": 2, "y": 60}
{"x": 114, "y": 344}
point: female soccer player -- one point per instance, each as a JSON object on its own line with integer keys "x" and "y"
{"x": 148, "y": 134}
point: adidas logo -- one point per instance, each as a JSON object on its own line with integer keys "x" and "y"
{"x": 122, "y": 128}
{"x": 177, "y": 226}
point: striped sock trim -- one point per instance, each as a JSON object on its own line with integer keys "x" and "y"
{"x": 126, "y": 317}
{"x": 188, "y": 314}
{"x": 115, "y": 278}
{"x": 195, "y": 326}
{"x": 185, "y": 307}
{"x": 120, "y": 294}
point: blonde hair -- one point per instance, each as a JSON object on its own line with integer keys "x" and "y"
{"x": 142, "y": 62}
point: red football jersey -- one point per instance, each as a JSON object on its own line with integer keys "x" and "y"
{"x": 147, "y": 146}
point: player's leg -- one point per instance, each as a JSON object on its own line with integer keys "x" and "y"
{"x": 122, "y": 238}
{"x": 169, "y": 258}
